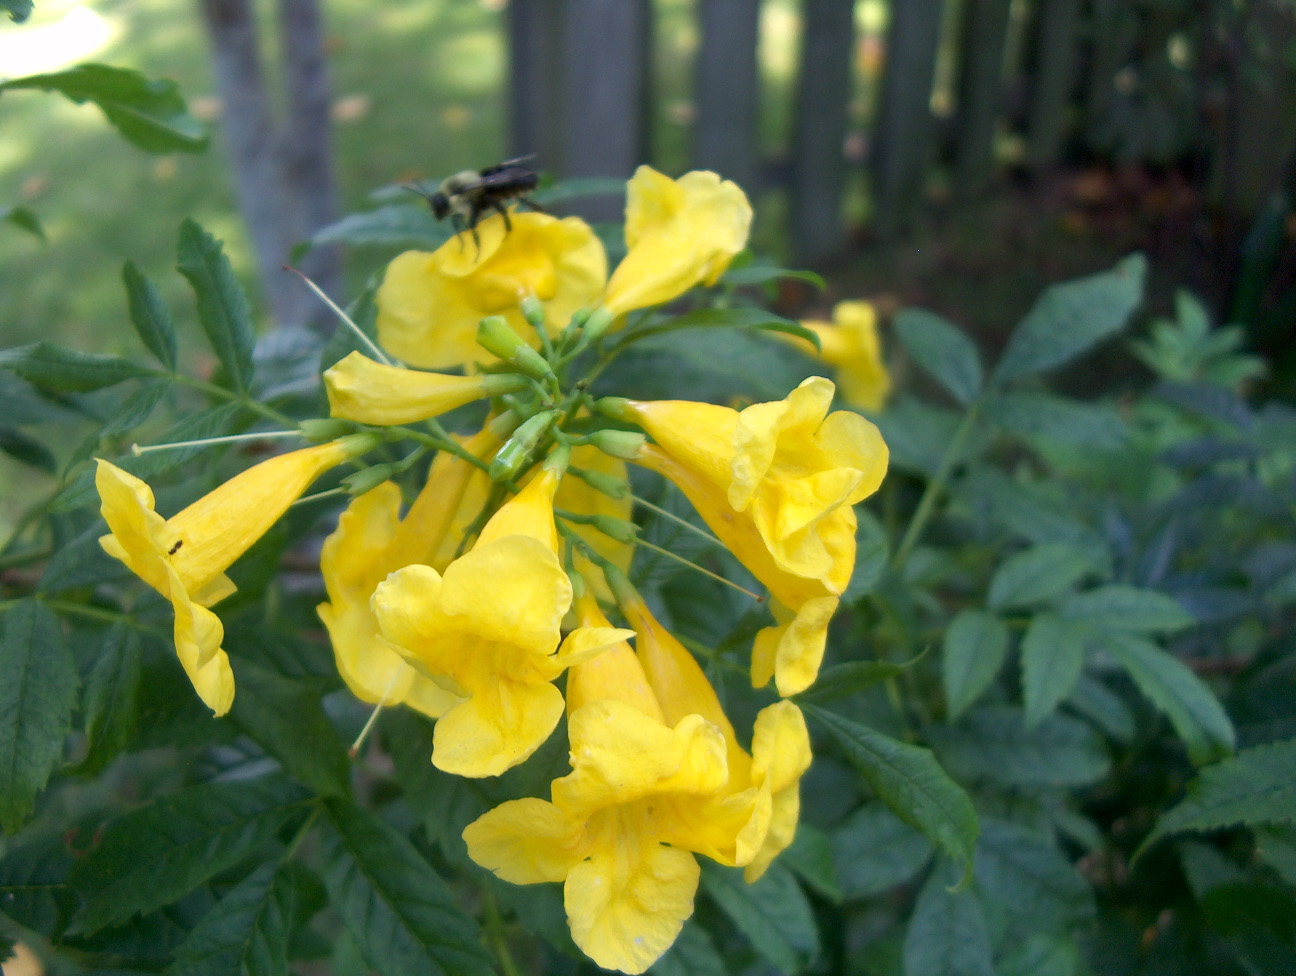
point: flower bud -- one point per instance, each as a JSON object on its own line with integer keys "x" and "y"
{"x": 624, "y": 444}
{"x": 368, "y": 479}
{"x": 322, "y": 429}
{"x": 618, "y": 529}
{"x": 509, "y": 459}
{"x": 496, "y": 336}
{"x": 615, "y": 407}
{"x": 533, "y": 311}
{"x": 597, "y": 324}
{"x": 608, "y": 484}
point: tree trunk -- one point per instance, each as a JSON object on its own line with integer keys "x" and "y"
{"x": 726, "y": 82}
{"x": 1053, "y": 77}
{"x": 983, "y": 38}
{"x": 819, "y": 129}
{"x": 904, "y": 126}
{"x": 536, "y": 119}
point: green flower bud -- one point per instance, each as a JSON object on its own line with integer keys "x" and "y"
{"x": 623, "y": 444}
{"x": 368, "y": 479}
{"x": 616, "y": 528}
{"x": 322, "y": 430}
{"x": 517, "y": 449}
{"x": 597, "y": 324}
{"x": 496, "y": 336}
{"x": 608, "y": 484}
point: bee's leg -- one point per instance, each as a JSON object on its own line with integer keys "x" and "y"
{"x": 503, "y": 212}
{"x": 528, "y": 202}
{"x": 457, "y": 222}
{"x": 473, "y": 218}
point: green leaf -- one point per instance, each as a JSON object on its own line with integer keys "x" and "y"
{"x": 111, "y": 695}
{"x": 1102, "y": 706}
{"x": 246, "y": 933}
{"x": 223, "y": 307}
{"x": 1195, "y": 713}
{"x": 401, "y": 914}
{"x": 1276, "y": 845}
{"x": 1038, "y": 574}
{"x": 773, "y": 914}
{"x": 286, "y": 718}
{"x": 849, "y": 678}
{"x": 909, "y": 780}
{"x": 872, "y": 555}
{"x": 1052, "y": 656}
{"x": 875, "y": 850}
{"x": 33, "y": 884}
{"x": 721, "y": 318}
{"x": 1034, "y": 413}
{"x": 1072, "y": 317}
{"x": 763, "y": 274}
{"x": 975, "y": 645}
{"x": 692, "y": 954}
{"x": 941, "y": 349}
{"x": 810, "y": 857}
{"x": 1025, "y": 876}
{"x": 1127, "y": 608}
{"x": 395, "y": 225}
{"x": 149, "y": 113}
{"x": 52, "y": 367}
{"x": 27, "y": 450}
{"x": 18, "y": 10}
{"x": 149, "y": 315}
{"x": 1257, "y": 787}
{"x": 25, "y": 218}
{"x": 994, "y": 744}
{"x": 947, "y": 934}
{"x": 152, "y": 856}
{"x": 37, "y": 696}
{"x": 1043, "y": 954}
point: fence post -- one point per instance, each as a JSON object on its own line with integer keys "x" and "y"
{"x": 726, "y": 84}
{"x": 983, "y": 36}
{"x": 536, "y": 81}
{"x": 1054, "y": 47}
{"x": 903, "y": 133}
{"x": 818, "y": 164}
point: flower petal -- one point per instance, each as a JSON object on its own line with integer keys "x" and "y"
{"x": 502, "y": 724}
{"x": 525, "y": 841}
{"x": 792, "y": 651}
{"x": 370, "y": 392}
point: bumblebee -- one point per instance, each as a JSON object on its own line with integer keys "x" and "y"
{"x": 467, "y": 196}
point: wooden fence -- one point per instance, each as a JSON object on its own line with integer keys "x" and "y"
{"x": 1127, "y": 81}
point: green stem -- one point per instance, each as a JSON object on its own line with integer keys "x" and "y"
{"x": 498, "y": 939}
{"x": 211, "y": 389}
{"x": 683, "y": 522}
{"x": 927, "y": 504}
{"x": 26, "y": 557}
{"x": 302, "y": 831}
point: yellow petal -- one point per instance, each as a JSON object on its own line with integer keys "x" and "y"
{"x": 528, "y": 513}
{"x": 501, "y": 725}
{"x": 370, "y": 392}
{"x": 780, "y": 757}
{"x": 138, "y": 535}
{"x": 525, "y": 841}
{"x": 861, "y": 373}
{"x": 679, "y": 233}
{"x": 574, "y": 495}
{"x": 198, "y": 635}
{"x": 627, "y": 903}
{"x": 615, "y": 673}
{"x": 792, "y": 651}
{"x": 429, "y": 304}
{"x": 512, "y": 590}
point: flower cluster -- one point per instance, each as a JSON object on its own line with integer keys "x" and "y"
{"x": 501, "y": 574}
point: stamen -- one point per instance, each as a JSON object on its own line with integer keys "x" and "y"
{"x": 264, "y": 435}
{"x": 677, "y": 519}
{"x": 701, "y": 569}
{"x": 372, "y": 346}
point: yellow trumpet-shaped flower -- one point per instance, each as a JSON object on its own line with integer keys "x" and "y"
{"x": 185, "y": 557}
{"x": 679, "y": 233}
{"x": 370, "y": 392}
{"x": 488, "y": 630}
{"x": 754, "y": 818}
{"x": 576, "y": 496}
{"x": 371, "y": 542}
{"x": 429, "y": 304}
{"x": 620, "y": 828}
{"x": 850, "y": 344}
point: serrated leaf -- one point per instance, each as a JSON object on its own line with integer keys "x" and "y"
{"x": 37, "y": 696}
{"x": 875, "y": 851}
{"x": 947, "y": 934}
{"x": 849, "y": 678}
{"x": 395, "y": 225}
{"x": 246, "y": 933}
{"x": 223, "y": 307}
{"x": 1196, "y": 714}
{"x": 404, "y": 919}
{"x": 52, "y": 367}
{"x": 1102, "y": 706}
{"x": 27, "y": 450}
{"x": 762, "y": 274}
{"x": 34, "y": 889}
{"x": 25, "y": 218}
{"x": 137, "y": 407}
{"x": 994, "y": 744}
{"x": 1052, "y": 656}
{"x": 149, "y": 315}
{"x": 1027, "y": 877}
{"x": 152, "y": 856}
{"x": 810, "y": 857}
{"x": 1127, "y": 608}
{"x": 1257, "y": 787}
{"x": 111, "y": 696}
{"x": 1276, "y": 845}
{"x": 18, "y": 10}
{"x": 1043, "y": 954}
{"x": 974, "y": 649}
{"x": 942, "y": 350}
{"x": 1038, "y": 574}
{"x": 1035, "y": 413}
{"x": 908, "y": 780}
{"x": 1072, "y": 317}
{"x": 872, "y": 555}
{"x": 721, "y": 318}
{"x": 772, "y": 913}
{"x": 285, "y": 717}
{"x": 692, "y": 954}
{"x": 149, "y": 112}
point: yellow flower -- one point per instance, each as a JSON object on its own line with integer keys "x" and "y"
{"x": 679, "y": 233}
{"x": 372, "y": 541}
{"x": 574, "y": 495}
{"x": 620, "y": 827}
{"x": 850, "y": 343}
{"x": 185, "y": 557}
{"x": 370, "y": 392}
{"x": 488, "y": 631}
{"x": 754, "y": 817}
{"x": 429, "y": 304}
